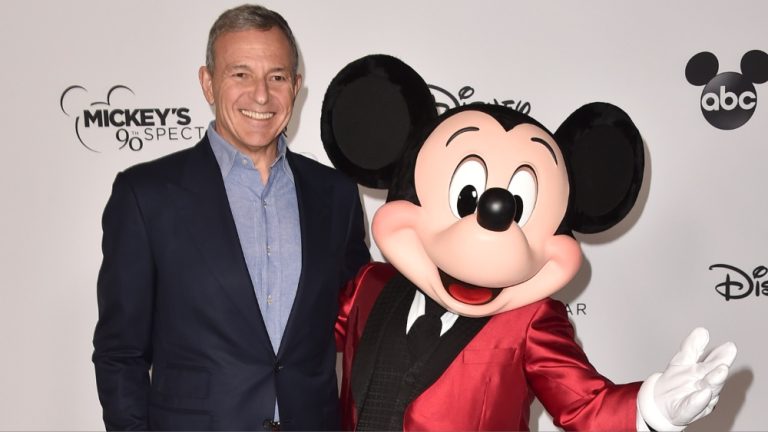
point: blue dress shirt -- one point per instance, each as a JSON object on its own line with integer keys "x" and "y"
{"x": 267, "y": 221}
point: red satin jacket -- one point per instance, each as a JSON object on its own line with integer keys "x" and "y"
{"x": 521, "y": 354}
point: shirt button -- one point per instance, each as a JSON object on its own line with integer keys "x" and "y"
{"x": 269, "y": 250}
{"x": 245, "y": 162}
{"x": 269, "y": 299}
{"x": 264, "y": 202}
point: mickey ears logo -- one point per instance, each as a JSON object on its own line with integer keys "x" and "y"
{"x": 729, "y": 99}
{"x": 82, "y": 115}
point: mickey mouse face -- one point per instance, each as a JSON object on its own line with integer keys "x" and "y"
{"x": 481, "y": 240}
{"x": 482, "y": 199}
{"x": 729, "y": 99}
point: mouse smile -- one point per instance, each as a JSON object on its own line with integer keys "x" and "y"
{"x": 466, "y": 292}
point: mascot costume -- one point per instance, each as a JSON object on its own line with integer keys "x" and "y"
{"x": 458, "y": 331}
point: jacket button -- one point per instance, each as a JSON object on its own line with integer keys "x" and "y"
{"x": 278, "y": 367}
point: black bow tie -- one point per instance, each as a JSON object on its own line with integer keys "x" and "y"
{"x": 425, "y": 331}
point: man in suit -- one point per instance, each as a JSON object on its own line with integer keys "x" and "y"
{"x": 223, "y": 263}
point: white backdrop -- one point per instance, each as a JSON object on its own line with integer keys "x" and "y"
{"x": 645, "y": 283}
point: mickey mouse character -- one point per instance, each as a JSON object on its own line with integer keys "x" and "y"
{"x": 458, "y": 332}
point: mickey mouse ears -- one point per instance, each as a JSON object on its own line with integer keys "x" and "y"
{"x": 604, "y": 153}
{"x": 368, "y": 117}
{"x": 376, "y": 109}
{"x": 702, "y": 67}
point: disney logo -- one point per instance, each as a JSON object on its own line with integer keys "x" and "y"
{"x": 444, "y": 100}
{"x": 739, "y": 284}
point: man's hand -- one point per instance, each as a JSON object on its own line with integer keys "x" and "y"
{"x": 689, "y": 388}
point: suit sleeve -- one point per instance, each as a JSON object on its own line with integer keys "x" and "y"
{"x": 357, "y": 250}
{"x": 569, "y": 387}
{"x": 357, "y": 255}
{"x": 125, "y": 290}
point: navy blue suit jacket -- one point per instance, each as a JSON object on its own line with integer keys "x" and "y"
{"x": 174, "y": 295}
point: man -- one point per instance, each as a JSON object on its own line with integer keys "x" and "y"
{"x": 223, "y": 263}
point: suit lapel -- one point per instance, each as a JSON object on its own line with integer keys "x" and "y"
{"x": 204, "y": 208}
{"x": 315, "y": 223}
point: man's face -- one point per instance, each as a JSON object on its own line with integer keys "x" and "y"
{"x": 251, "y": 87}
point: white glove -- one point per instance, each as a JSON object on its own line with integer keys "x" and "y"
{"x": 688, "y": 389}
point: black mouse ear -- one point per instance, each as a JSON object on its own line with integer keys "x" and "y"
{"x": 701, "y": 68}
{"x": 754, "y": 66}
{"x": 370, "y": 111}
{"x": 603, "y": 152}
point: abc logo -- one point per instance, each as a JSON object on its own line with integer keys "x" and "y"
{"x": 729, "y": 99}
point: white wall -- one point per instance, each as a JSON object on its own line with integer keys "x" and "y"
{"x": 645, "y": 284}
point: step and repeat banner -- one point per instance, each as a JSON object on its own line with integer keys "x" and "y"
{"x": 93, "y": 87}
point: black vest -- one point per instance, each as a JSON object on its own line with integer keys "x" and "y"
{"x": 385, "y": 377}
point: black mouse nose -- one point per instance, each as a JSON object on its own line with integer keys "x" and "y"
{"x": 496, "y": 209}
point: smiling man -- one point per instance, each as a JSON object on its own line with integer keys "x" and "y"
{"x": 223, "y": 262}
{"x": 252, "y": 81}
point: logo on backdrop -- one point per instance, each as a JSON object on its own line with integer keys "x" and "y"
{"x": 445, "y": 100}
{"x": 115, "y": 123}
{"x": 729, "y": 99}
{"x": 576, "y": 309}
{"x": 737, "y": 284}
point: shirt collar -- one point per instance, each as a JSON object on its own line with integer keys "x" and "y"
{"x": 226, "y": 154}
{"x": 417, "y": 309}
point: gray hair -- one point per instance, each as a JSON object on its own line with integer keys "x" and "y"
{"x": 249, "y": 17}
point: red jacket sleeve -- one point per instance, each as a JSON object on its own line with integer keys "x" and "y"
{"x": 355, "y": 305}
{"x": 569, "y": 387}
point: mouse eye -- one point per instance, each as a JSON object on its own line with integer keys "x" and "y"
{"x": 467, "y": 183}
{"x": 523, "y": 190}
